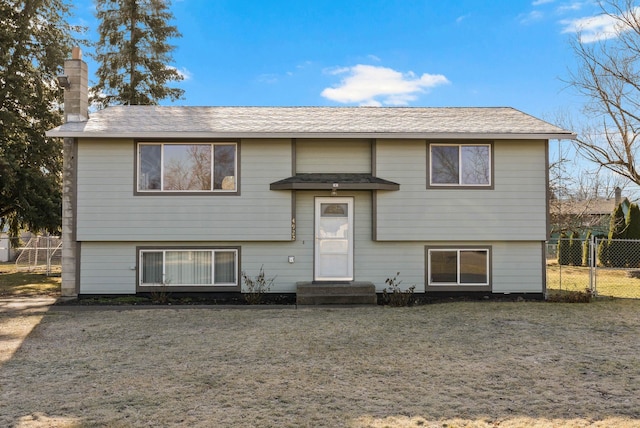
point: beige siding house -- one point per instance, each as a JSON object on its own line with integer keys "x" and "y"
{"x": 455, "y": 199}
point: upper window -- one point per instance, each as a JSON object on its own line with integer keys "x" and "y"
{"x": 458, "y": 266}
{"x": 181, "y": 167}
{"x": 460, "y": 164}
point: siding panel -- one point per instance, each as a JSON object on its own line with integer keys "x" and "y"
{"x": 109, "y": 211}
{"x": 510, "y": 218}
{"x": 106, "y": 268}
{"x": 109, "y": 267}
{"x": 331, "y": 156}
{"x": 514, "y": 209}
{"x": 517, "y": 267}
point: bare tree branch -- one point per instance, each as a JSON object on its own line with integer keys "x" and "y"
{"x": 608, "y": 75}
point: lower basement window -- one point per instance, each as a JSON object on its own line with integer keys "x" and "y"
{"x": 201, "y": 267}
{"x": 456, "y": 266}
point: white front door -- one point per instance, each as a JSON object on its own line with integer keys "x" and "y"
{"x": 334, "y": 239}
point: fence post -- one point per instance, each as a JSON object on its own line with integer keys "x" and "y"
{"x": 48, "y": 265}
{"x": 593, "y": 281}
{"x": 591, "y": 261}
{"x": 35, "y": 261}
{"x": 559, "y": 264}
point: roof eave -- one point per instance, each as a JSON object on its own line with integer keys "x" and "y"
{"x": 378, "y": 135}
{"x": 332, "y": 186}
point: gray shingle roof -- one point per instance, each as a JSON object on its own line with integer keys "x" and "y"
{"x": 356, "y": 122}
{"x": 328, "y": 181}
{"x": 596, "y": 206}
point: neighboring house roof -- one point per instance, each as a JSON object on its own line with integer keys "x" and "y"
{"x": 325, "y": 122}
{"x": 596, "y": 206}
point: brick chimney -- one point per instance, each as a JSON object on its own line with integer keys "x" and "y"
{"x": 76, "y": 94}
{"x": 76, "y": 109}
{"x": 618, "y": 196}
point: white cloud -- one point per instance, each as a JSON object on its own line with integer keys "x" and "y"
{"x": 186, "y": 74}
{"x": 462, "y": 18}
{"x": 595, "y": 28}
{"x": 527, "y": 18}
{"x": 304, "y": 65}
{"x": 570, "y": 7}
{"x": 368, "y": 85}
{"x": 269, "y": 78}
{"x": 539, "y": 2}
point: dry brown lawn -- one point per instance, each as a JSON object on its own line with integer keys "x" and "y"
{"x": 465, "y": 364}
{"x": 20, "y": 282}
{"x": 609, "y": 282}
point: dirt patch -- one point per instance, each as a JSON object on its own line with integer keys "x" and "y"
{"x": 463, "y": 364}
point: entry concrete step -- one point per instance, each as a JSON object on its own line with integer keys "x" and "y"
{"x": 336, "y": 293}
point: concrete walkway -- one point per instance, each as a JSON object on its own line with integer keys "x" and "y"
{"x": 42, "y": 304}
{"x": 26, "y": 304}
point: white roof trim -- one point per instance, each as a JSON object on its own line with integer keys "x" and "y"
{"x": 402, "y": 135}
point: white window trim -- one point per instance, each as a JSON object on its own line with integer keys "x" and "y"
{"x": 211, "y": 144}
{"x": 164, "y": 255}
{"x": 458, "y": 282}
{"x": 459, "y": 184}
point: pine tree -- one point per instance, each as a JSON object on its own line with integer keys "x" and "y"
{"x": 603, "y": 253}
{"x": 617, "y": 232}
{"x": 133, "y": 53}
{"x": 633, "y": 232}
{"x": 34, "y": 41}
{"x": 575, "y": 249}
{"x": 618, "y": 224}
{"x": 633, "y": 222}
{"x": 563, "y": 250}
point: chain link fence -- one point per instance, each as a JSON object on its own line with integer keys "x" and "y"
{"x": 561, "y": 276}
{"x": 607, "y": 268}
{"x": 41, "y": 254}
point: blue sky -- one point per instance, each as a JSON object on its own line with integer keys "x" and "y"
{"x": 375, "y": 52}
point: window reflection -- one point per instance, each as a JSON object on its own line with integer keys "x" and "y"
{"x": 460, "y": 164}
{"x": 187, "y": 167}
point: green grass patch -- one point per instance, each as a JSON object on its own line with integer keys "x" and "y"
{"x": 18, "y": 283}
